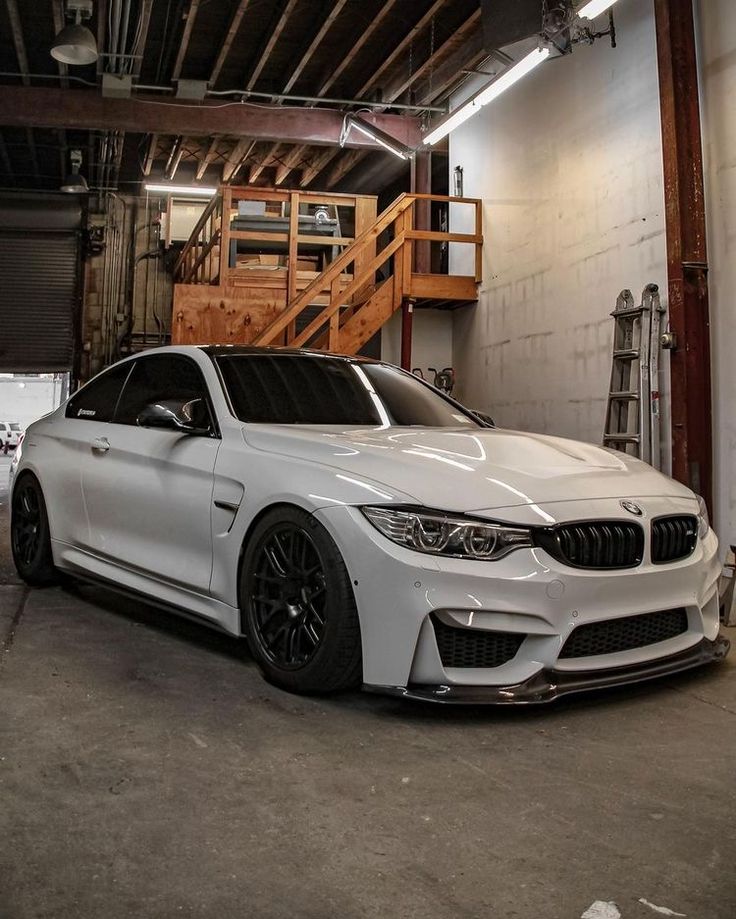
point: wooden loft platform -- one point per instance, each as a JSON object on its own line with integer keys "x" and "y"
{"x": 269, "y": 267}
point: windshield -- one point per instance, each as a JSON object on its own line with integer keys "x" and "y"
{"x": 14, "y": 426}
{"x": 316, "y": 389}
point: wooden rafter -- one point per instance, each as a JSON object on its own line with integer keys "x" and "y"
{"x": 377, "y": 20}
{"x": 175, "y": 155}
{"x": 284, "y": 170}
{"x": 318, "y": 164}
{"x": 272, "y": 39}
{"x": 58, "y": 16}
{"x": 471, "y": 25}
{"x": 236, "y": 159}
{"x": 266, "y": 161}
{"x": 31, "y": 141}
{"x": 349, "y": 160}
{"x": 150, "y": 154}
{"x": 18, "y": 40}
{"x": 101, "y": 7}
{"x": 207, "y": 158}
{"x": 449, "y": 72}
{"x": 292, "y": 159}
{"x": 314, "y": 44}
{"x": 229, "y": 38}
{"x": 140, "y": 49}
{"x": 185, "y": 38}
{"x": 400, "y": 48}
{"x": 7, "y": 166}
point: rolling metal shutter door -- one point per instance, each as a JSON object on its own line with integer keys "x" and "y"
{"x": 39, "y": 292}
{"x": 40, "y": 269}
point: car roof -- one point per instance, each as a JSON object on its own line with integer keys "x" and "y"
{"x": 227, "y": 350}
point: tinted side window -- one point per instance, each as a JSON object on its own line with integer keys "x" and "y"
{"x": 97, "y": 400}
{"x": 159, "y": 378}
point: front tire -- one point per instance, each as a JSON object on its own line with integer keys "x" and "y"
{"x": 30, "y": 537}
{"x": 298, "y": 607}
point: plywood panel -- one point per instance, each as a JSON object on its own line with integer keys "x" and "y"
{"x": 223, "y": 315}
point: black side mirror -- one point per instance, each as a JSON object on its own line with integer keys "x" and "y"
{"x": 484, "y": 419}
{"x": 186, "y": 417}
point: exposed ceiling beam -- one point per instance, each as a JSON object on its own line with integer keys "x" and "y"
{"x": 186, "y": 36}
{"x": 449, "y": 72}
{"x": 471, "y": 26}
{"x": 319, "y": 162}
{"x": 304, "y": 60}
{"x": 349, "y": 160}
{"x": 238, "y": 155}
{"x": 267, "y": 160}
{"x": 31, "y": 141}
{"x": 150, "y": 154}
{"x": 292, "y": 159}
{"x": 7, "y": 166}
{"x": 18, "y": 41}
{"x": 274, "y": 35}
{"x": 37, "y": 106}
{"x": 175, "y": 155}
{"x": 399, "y": 49}
{"x": 207, "y": 158}
{"x": 140, "y": 48}
{"x": 297, "y": 155}
{"x": 355, "y": 49}
{"x": 101, "y": 7}
{"x": 229, "y": 38}
{"x": 314, "y": 44}
{"x": 58, "y": 16}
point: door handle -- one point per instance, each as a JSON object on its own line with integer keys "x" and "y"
{"x": 100, "y": 444}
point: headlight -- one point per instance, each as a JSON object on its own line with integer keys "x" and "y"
{"x": 703, "y": 521}
{"x": 440, "y": 534}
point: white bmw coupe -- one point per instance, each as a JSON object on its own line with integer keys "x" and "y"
{"x": 357, "y": 527}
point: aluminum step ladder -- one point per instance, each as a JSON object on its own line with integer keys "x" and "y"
{"x": 633, "y": 410}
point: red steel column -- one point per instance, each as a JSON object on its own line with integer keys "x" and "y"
{"x": 687, "y": 265}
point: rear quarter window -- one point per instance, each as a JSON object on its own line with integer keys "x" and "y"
{"x": 97, "y": 400}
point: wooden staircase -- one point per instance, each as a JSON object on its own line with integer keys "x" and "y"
{"x": 383, "y": 267}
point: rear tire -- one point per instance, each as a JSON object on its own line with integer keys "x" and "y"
{"x": 297, "y": 605}
{"x": 30, "y": 537}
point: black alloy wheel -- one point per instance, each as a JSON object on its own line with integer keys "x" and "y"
{"x": 30, "y": 539}
{"x": 298, "y": 607}
{"x": 289, "y": 605}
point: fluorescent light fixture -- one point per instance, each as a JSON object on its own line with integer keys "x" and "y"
{"x": 594, "y": 8}
{"x": 494, "y": 89}
{"x": 380, "y": 137}
{"x": 189, "y": 191}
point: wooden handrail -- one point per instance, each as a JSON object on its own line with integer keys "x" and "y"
{"x": 335, "y": 268}
{"x": 199, "y": 226}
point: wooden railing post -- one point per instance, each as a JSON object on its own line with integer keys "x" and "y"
{"x": 479, "y": 245}
{"x": 292, "y": 259}
{"x": 227, "y": 201}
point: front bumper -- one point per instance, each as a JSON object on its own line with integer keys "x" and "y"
{"x": 398, "y": 592}
{"x": 549, "y": 685}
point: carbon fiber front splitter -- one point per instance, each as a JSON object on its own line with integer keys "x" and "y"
{"x": 549, "y": 685}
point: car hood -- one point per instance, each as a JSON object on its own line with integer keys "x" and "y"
{"x": 454, "y": 469}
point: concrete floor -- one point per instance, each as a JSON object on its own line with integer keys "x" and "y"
{"x": 146, "y": 770}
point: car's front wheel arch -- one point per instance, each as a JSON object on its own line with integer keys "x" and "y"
{"x": 297, "y": 607}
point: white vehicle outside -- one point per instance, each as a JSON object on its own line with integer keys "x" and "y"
{"x": 358, "y": 527}
{"x": 10, "y": 435}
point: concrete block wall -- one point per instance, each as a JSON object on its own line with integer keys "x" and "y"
{"x": 569, "y": 166}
